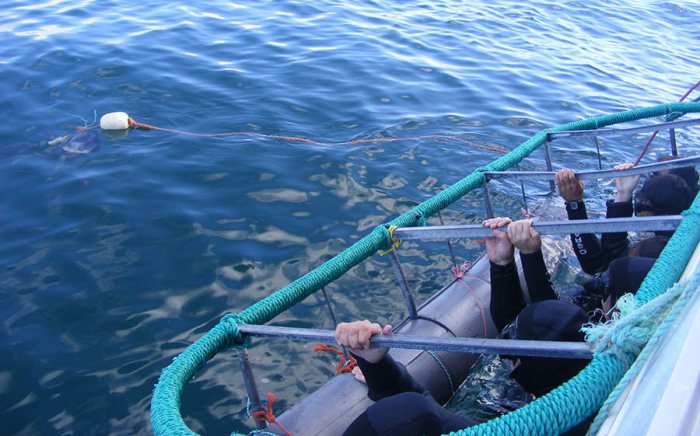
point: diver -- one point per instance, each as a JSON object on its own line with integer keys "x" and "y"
{"x": 663, "y": 194}
{"x": 403, "y": 407}
{"x": 606, "y": 259}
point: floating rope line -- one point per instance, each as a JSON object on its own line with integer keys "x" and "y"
{"x": 670, "y": 117}
{"x": 135, "y": 124}
{"x": 346, "y": 363}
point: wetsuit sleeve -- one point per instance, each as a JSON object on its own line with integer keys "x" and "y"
{"x": 387, "y": 377}
{"x": 616, "y": 244}
{"x": 537, "y": 277}
{"x": 506, "y": 295}
{"x": 587, "y": 247}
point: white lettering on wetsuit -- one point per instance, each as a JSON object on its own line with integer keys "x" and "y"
{"x": 578, "y": 243}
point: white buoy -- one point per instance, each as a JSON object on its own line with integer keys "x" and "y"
{"x": 115, "y": 121}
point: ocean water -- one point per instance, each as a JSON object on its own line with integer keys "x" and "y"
{"x": 116, "y": 257}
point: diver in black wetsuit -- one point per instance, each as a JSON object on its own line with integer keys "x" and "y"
{"x": 662, "y": 194}
{"x": 403, "y": 407}
{"x": 665, "y": 194}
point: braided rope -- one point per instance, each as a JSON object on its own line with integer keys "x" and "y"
{"x": 663, "y": 311}
{"x": 165, "y": 404}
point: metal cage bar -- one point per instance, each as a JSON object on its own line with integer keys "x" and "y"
{"x": 597, "y": 174}
{"x": 570, "y": 350}
{"x": 403, "y": 283}
{"x": 606, "y": 225}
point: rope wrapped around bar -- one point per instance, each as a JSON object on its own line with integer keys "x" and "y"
{"x": 603, "y": 372}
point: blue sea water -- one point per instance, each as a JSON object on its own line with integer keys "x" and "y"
{"x": 114, "y": 259}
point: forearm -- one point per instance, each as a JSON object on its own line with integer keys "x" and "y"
{"x": 615, "y": 245}
{"x": 537, "y": 277}
{"x": 506, "y": 294}
{"x": 586, "y": 246}
{"x": 387, "y": 377}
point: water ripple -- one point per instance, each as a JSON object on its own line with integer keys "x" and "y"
{"x": 113, "y": 261}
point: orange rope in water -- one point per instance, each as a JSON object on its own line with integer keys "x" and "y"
{"x": 345, "y": 365}
{"x": 268, "y": 416}
{"x": 135, "y": 124}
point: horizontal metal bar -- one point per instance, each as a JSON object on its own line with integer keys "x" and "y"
{"x": 606, "y": 225}
{"x": 624, "y": 131}
{"x": 566, "y": 350}
{"x": 597, "y": 174}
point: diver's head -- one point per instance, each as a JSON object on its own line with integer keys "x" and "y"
{"x": 689, "y": 174}
{"x": 663, "y": 195}
{"x": 548, "y": 320}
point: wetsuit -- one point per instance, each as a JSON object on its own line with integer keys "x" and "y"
{"x": 507, "y": 298}
{"x": 595, "y": 255}
{"x": 402, "y": 406}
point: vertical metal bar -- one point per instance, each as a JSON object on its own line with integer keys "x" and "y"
{"x": 449, "y": 244}
{"x": 522, "y": 190}
{"x": 597, "y": 148}
{"x": 328, "y": 303}
{"x": 487, "y": 200}
{"x": 250, "y": 386}
{"x": 335, "y": 321}
{"x": 674, "y": 148}
{"x": 401, "y": 278}
{"x": 548, "y": 161}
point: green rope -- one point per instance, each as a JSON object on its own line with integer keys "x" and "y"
{"x": 678, "y": 251}
{"x": 165, "y": 405}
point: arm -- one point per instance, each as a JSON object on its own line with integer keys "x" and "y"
{"x": 527, "y": 240}
{"x": 383, "y": 375}
{"x": 506, "y": 294}
{"x": 387, "y": 377}
{"x": 615, "y": 245}
{"x": 587, "y": 247}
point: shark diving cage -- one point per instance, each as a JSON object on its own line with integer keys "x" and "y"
{"x": 556, "y": 412}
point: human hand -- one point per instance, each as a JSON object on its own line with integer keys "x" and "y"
{"x": 625, "y": 185}
{"x": 569, "y": 186}
{"x": 524, "y": 237}
{"x": 498, "y": 246}
{"x": 356, "y": 335}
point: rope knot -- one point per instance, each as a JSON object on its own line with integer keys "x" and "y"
{"x": 421, "y": 220}
{"x": 394, "y": 243}
{"x": 459, "y": 271}
{"x": 266, "y": 414}
{"x": 673, "y": 115}
{"x": 346, "y": 364}
{"x": 229, "y": 324}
